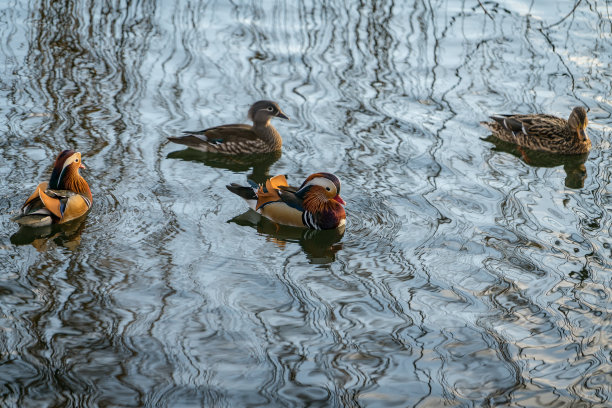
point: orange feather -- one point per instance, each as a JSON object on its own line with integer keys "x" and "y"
{"x": 76, "y": 206}
{"x": 51, "y": 204}
{"x": 270, "y": 192}
{"x": 41, "y": 187}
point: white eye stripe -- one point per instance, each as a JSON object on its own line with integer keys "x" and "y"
{"x": 323, "y": 182}
{"x": 67, "y": 163}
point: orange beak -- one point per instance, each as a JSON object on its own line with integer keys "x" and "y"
{"x": 82, "y": 166}
{"x": 339, "y": 199}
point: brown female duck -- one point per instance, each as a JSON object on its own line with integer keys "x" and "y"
{"x": 544, "y": 132}
{"x": 262, "y": 137}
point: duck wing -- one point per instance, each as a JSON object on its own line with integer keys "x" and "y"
{"x": 536, "y": 126}
{"x": 46, "y": 205}
{"x": 288, "y": 197}
{"x": 217, "y": 135}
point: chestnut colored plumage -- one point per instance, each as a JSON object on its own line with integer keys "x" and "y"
{"x": 64, "y": 198}
{"x": 315, "y": 204}
{"x": 544, "y": 132}
{"x": 262, "y": 137}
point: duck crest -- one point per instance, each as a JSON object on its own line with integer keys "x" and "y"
{"x": 59, "y": 170}
{"x": 329, "y": 176}
{"x": 65, "y": 175}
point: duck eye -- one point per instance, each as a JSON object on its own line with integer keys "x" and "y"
{"x": 328, "y": 189}
{"x": 77, "y": 160}
{"x": 270, "y": 108}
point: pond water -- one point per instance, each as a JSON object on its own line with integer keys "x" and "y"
{"x": 469, "y": 274}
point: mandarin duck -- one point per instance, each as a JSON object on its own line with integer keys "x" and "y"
{"x": 316, "y": 204}
{"x": 262, "y": 137}
{"x": 64, "y": 198}
{"x": 544, "y": 132}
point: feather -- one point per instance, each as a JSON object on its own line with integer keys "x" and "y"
{"x": 544, "y": 132}
{"x": 261, "y": 137}
{"x": 69, "y": 200}
{"x": 315, "y": 205}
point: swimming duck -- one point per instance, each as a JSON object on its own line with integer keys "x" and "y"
{"x": 316, "y": 204}
{"x": 64, "y": 198}
{"x": 544, "y": 132}
{"x": 262, "y": 137}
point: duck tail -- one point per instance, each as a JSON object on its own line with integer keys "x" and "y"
{"x": 33, "y": 220}
{"x": 487, "y": 125}
{"x": 242, "y": 191}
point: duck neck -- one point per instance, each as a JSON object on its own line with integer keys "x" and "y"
{"x": 318, "y": 203}
{"x": 74, "y": 182}
{"x": 326, "y": 213}
{"x": 582, "y": 146}
{"x": 266, "y": 131}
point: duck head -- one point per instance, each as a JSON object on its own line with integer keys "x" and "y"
{"x": 263, "y": 111}
{"x": 321, "y": 188}
{"x": 65, "y": 175}
{"x": 578, "y": 122}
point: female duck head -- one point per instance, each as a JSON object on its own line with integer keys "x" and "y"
{"x": 578, "y": 122}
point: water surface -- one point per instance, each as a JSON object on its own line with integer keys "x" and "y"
{"x": 469, "y": 275}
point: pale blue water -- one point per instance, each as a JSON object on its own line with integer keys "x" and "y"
{"x": 466, "y": 276}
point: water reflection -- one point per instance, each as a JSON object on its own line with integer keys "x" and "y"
{"x": 154, "y": 306}
{"x": 320, "y": 247}
{"x": 67, "y": 235}
{"x": 81, "y": 77}
{"x": 573, "y": 165}
{"x": 260, "y": 163}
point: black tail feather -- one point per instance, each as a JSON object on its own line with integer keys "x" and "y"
{"x": 245, "y": 192}
{"x": 190, "y": 140}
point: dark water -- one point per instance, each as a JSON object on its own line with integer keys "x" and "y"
{"x": 469, "y": 274}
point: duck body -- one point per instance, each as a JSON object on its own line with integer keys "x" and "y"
{"x": 64, "y": 198}
{"x": 316, "y": 204}
{"x": 544, "y": 132}
{"x": 234, "y": 139}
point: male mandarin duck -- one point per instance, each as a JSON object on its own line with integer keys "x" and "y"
{"x": 262, "y": 137}
{"x": 544, "y": 132}
{"x": 64, "y": 198}
{"x": 316, "y": 204}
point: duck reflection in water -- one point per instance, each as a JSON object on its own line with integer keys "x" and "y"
{"x": 67, "y": 235}
{"x": 573, "y": 164}
{"x": 260, "y": 163}
{"x": 320, "y": 246}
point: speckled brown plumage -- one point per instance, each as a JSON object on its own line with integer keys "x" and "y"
{"x": 544, "y": 132}
{"x": 234, "y": 139}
